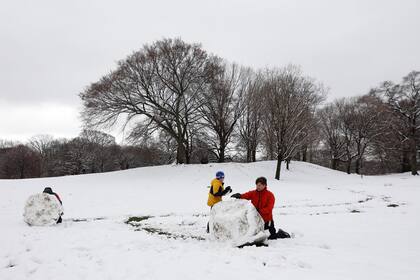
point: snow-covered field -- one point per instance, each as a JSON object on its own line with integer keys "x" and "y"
{"x": 342, "y": 224}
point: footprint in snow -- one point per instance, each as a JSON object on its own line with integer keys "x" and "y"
{"x": 11, "y": 263}
{"x": 302, "y": 264}
{"x": 325, "y": 246}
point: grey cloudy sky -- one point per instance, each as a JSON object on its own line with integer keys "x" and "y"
{"x": 52, "y": 50}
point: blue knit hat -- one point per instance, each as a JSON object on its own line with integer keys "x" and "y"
{"x": 220, "y": 175}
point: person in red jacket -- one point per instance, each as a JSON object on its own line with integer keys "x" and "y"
{"x": 263, "y": 200}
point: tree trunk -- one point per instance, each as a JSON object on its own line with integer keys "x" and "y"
{"x": 405, "y": 162}
{"x": 188, "y": 155}
{"x": 334, "y": 163}
{"x": 279, "y": 160}
{"x": 304, "y": 153}
{"x": 358, "y": 166}
{"x": 222, "y": 151}
{"x": 287, "y": 163}
{"x": 413, "y": 156}
{"x": 222, "y": 154}
{"x": 311, "y": 155}
{"x": 180, "y": 153}
{"x": 254, "y": 155}
{"x": 42, "y": 166}
{"x": 349, "y": 166}
{"x": 22, "y": 173}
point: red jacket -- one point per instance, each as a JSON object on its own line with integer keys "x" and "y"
{"x": 263, "y": 202}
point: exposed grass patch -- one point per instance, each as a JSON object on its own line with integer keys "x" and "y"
{"x": 10, "y": 265}
{"x": 392, "y": 205}
{"x": 365, "y": 200}
{"x": 135, "y": 221}
{"x": 167, "y": 234}
{"x": 77, "y": 220}
{"x": 256, "y": 244}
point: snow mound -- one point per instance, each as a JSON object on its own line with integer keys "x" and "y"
{"x": 42, "y": 210}
{"x": 237, "y": 221}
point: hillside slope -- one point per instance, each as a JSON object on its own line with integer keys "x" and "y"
{"x": 342, "y": 226}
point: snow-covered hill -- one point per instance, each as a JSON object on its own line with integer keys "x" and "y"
{"x": 343, "y": 226}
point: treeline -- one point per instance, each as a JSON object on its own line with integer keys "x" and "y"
{"x": 177, "y": 90}
{"x": 194, "y": 98}
{"x": 91, "y": 152}
{"x": 373, "y": 134}
{"x": 181, "y": 104}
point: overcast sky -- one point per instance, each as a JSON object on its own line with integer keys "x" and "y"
{"x": 51, "y": 50}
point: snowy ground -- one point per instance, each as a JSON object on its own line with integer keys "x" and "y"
{"x": 342, "y": 226}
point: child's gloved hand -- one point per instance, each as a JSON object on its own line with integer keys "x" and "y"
{"x": 236, "y": 195}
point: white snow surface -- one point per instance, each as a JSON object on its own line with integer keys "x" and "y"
{"x": 342, "y": 226}
{"x": 42, "y": 209}
{"x": 237, "y": 221}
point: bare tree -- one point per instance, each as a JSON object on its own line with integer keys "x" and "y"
{"x": 368, "y": 125}
{"x": 224, "y": 105}
{"x": 249, "y": 128}
{"x": 311, "y": 141}
{"x": 20, "y": 162}
{"x": 6, "y": 144}
{"x": 346, "y": 111}
{"x": 330, "y": 130}
{"x": 42, "y": 144}
{"x": 390, "y": 149}
{"x": 77, "y": 157}
{"x": 404, "y": 100}
{"x": 290, "y": 103}
{"x": 160, "y": 87}
{"x": 99, "y": 148}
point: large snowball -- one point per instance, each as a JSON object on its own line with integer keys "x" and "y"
{"x": 42, "y": 210}
{"x": 238, "y": 221}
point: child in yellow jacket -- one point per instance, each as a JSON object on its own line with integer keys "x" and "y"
{"x": 216, "y": 189}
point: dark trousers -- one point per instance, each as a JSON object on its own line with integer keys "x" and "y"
{"x": 273, "y": 233}
{"x": 270, "y": 226}
{"x": 208, "y": 223}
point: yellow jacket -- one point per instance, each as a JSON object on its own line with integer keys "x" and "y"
{"x": 216, "y": 187}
